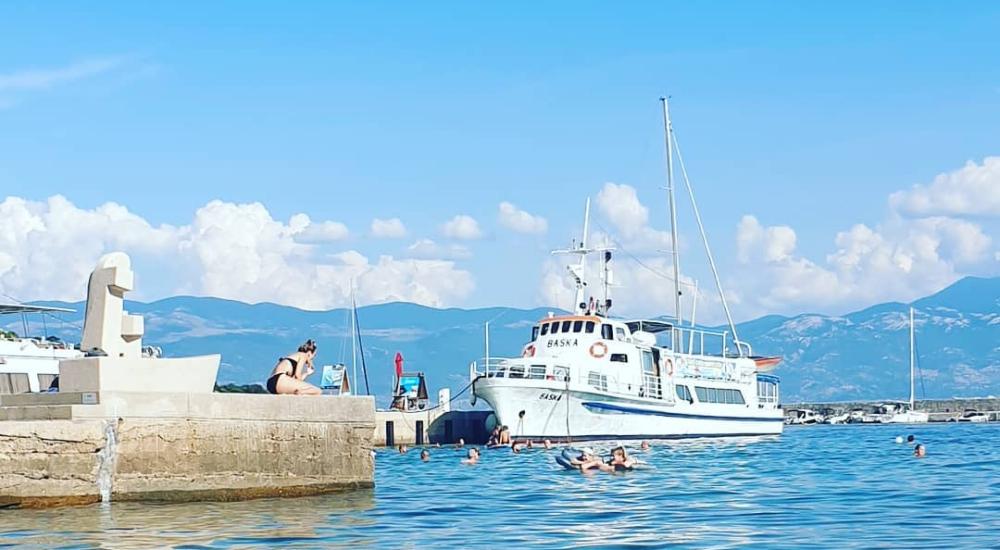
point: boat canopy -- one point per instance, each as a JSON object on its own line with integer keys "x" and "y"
{"x": 651, "y": 326}
{"x": 9, "y": 309}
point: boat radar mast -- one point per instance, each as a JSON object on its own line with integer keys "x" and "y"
{"x": 583, "y": 306}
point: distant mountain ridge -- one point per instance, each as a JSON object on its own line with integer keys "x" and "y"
{"x": 858, "y": 356}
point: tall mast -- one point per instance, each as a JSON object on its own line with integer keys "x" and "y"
{"x": 674, "y": 252}
{"x": 354, "y": 344}
{"x": 912, "y": 361}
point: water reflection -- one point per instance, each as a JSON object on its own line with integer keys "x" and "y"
{"x": 136, "y": 525}
{"x": 842, "y": 486}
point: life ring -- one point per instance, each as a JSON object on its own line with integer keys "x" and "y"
{"x": 598, "y": 350}
{"x": 669, "y": 366}
{"x": 529, "y": 351}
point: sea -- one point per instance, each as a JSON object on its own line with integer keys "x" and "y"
{"x": 816, "y": 486}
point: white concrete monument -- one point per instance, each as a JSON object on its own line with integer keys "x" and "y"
{"x": 113, "y": 339}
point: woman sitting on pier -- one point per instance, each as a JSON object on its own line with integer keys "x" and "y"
{"x": 288, "y": 376}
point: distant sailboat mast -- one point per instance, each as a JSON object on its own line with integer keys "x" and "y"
{"x": 912, "y": 363}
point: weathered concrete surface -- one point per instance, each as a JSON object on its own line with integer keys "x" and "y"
{"x": 117, "y": 374}
{"x": 183, "y": 447}
{"x": 439, "y": 426}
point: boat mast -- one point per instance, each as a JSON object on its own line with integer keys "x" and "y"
{"x": 354, "y": 344}
{"x": 674, "y": 252}
{"x": 912, "y": 361}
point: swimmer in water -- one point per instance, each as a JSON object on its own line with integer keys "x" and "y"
{"x": 402, "y": 449}
{"x": 911, "y": 439}
{"x": 620, "y": 460}
{"x": 460, "y": 444}
{"x": 425, "y": 455}
{"x": 547, "y": 444}
{"x": 515, "y": 447}
{"x": 528, "y": 445}
{"x": 588, "y": 461}
{"x": 644, "y": 446}
{"x": 472, "y": 457}
{"x": 920, "y": 450}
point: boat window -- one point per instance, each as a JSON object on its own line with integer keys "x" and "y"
{"x": 555, "y": 328}
{"x": 598, "y": 381}
{"x": 607, "y": 333}
{"x": 647, "y": 362}
{"x": 566, "y": 325}
{"x": 14, "y": 382}
{"x": 619, "y": 334}
{"x": 619, "y": 357}
{"x": 590, "y": 327}
{"x": 536, "y": 372}
{"x": 534, "y": 333}
{"x": 719, "y": 395}
{"x": 545, "y": 329}
{"x": 45, "y": 381}
{"x": 683, "y": 392}
{"x": 577, "y": 326}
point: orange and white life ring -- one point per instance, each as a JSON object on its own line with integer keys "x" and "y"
{"x": 668, "y": 366}
{"x": 529, "y": 351}
{"x": 598, "y": 350}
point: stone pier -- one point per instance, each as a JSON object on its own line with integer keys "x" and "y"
{"x": 60, "y": 449}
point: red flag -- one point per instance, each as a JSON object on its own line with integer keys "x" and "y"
{"x": 399, "y": 365}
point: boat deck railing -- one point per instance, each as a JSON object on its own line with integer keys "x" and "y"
{"x": 498, "y": 367}
{"x": 697, "y": 341}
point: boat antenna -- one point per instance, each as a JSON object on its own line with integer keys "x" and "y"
{"x": 674, "y": 252}
{"x": 578, "y": 271}
{"x": 708, "y": 251}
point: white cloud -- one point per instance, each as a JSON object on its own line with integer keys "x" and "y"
{"x": 307, "y": 232}
{"x": 391, "y": 228}
{"x": 462, "y": 227}
{"x": 898, "y": 260}
{"x": 236, "y": 251}
{"x": 41, "y": 79}
{"x": 520, "y": 221}
{"x": 430, "y": 250}
{"x": 620, "y": 205}
{"x": 973, "y": 189}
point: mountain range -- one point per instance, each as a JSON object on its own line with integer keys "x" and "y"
{"x": 859, "y": 356}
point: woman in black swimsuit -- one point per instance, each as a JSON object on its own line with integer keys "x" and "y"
{"x": 288, "y": 376}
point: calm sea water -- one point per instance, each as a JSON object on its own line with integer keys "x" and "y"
{"x": 827, "y": 486}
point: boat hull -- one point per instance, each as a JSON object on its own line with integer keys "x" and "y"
{"x": 541, "y": 410}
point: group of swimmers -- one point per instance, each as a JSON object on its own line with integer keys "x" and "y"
{"x": 585, "y": 461}
{"x": 919, "y": 449}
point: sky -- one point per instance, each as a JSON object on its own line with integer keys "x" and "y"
{"x": 841, "y": 155}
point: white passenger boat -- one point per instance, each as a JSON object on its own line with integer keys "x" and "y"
{"x": 30, "y": 364}
{"x": 802, "y": 417}
{"x": 589, "y": 376}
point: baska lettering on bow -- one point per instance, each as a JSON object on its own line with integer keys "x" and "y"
{"x": 550, "y": 396}
{"x": 562, "y": 343}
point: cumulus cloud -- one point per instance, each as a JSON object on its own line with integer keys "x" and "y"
{"x": 897, "y": 260}
{"x": 430, "y": 250}
{"x": 462, "y": 227}
{"x": 391, "y": 228}
{"x": 236, "y": 251}
{"x": 520, "y": 221}
{"x": 973, "y": 189}
{"x": 619, "y": 204}
{"x": 305, "y": 231}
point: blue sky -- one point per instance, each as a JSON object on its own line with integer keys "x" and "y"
{"x": 804, "y": 116}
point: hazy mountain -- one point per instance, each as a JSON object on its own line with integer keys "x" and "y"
{"x": 862, "y": 355}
